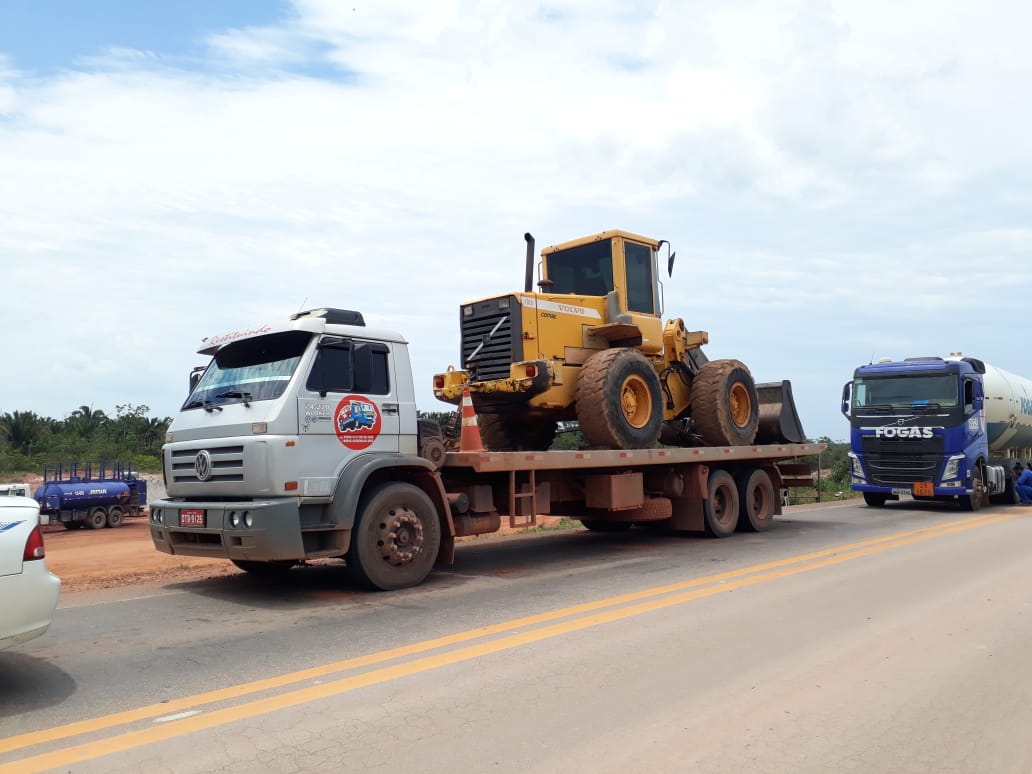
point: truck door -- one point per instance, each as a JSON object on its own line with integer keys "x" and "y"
{"x": 348, "y": 403}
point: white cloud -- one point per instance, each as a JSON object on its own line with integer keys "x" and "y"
{"x": 840, "y": 180}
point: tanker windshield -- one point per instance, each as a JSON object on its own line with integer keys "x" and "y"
{"x": 912, "y": 392}
{"x": 585, "y": 271}
{"x": 250, "y": 370}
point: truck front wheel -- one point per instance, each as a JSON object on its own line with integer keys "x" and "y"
{"x": 396, "y": 537}
{"x": 973, "y": 501}
{"x": 875, "y": 499}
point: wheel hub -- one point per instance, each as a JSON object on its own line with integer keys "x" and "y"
{"x": 400, "y": 537}
{"x": 740, "y": 405}
{"x": 635, "y": 403}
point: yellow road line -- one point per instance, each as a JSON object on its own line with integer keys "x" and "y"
{"x": 746, "y": 577}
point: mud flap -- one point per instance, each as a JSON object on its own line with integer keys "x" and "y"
{"x": 779, "y": 420}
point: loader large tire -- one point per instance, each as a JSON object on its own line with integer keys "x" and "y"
{"x": 619, "y": 402}
{"x": 512, "y": 432}
{"x": 725, "y": 409}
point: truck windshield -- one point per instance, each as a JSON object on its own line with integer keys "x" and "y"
{"x": 250, "y": 370}
{"x": 586, "y": 270}
{"x": 911, "y": 392}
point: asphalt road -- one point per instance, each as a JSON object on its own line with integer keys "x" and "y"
{"x": 845, "y": 639}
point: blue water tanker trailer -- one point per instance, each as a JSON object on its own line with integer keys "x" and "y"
{"x": 94, "y": 495}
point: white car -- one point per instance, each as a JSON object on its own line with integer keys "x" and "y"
{"x": 28, "y": 590}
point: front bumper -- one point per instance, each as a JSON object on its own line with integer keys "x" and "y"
{"x": 265, "y": 530}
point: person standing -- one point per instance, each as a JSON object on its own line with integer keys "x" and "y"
{"x": 1023, "y": 483}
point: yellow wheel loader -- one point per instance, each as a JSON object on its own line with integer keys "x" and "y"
{"x": 591, "y": 345}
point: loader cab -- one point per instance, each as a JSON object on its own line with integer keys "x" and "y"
{"x": 601, "y": 264}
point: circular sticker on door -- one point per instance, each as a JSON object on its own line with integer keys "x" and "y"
{"x": 356, "y": 422}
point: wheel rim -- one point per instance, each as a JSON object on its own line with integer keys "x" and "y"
{"x": 635, "y": 402}
{"x": 720, "y": 505}
{"x": 399, "y": 536}
{"x": 741, "y": 405}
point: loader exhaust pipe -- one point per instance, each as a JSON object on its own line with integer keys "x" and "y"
{"x": 529, "y": 283}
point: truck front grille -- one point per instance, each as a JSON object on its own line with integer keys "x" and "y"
{"x": 901, "y": 470}
{"x": 227, "y": 464}
{"x": 494, "y": 326}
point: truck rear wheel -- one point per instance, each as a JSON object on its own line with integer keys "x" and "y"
{"x": 512, "y": 432}
{"x": 396, "y": 537}
{"x": 115, "y": 517}
{"x": 725, "y": 408}
{"x": 97, "y": 519}
{"x": 720, "y": 510}
{"x": 757, "y": 501}
{"x": 619, "y": 402}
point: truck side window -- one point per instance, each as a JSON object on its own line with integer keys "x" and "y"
{"x": 371, "y": 374}
{"x": 332, "y": 370}
{"x": 969, "y": 397}
{"x": 345, "y": 366}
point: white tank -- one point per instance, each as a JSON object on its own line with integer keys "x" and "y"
{"x": 1008, "y": 408}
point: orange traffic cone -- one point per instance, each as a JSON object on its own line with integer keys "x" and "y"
{"x": 469, "y": 437}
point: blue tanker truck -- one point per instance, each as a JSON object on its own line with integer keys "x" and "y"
{"x": 933, "y": 428}
{"x": 93, "y": 495}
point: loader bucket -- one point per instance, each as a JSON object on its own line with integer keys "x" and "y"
{"x": 779, "y": 420}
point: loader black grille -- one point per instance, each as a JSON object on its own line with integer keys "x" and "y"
{"x": 491, "y": 337}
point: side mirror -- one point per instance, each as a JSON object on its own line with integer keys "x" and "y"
{"x": 847, "y": 389}
{"x": 195, "y": 376}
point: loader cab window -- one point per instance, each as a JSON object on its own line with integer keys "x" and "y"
{"x": 641, "y": 286}
{"x": 586, "y": 270}
{"x": 342, "y": 365}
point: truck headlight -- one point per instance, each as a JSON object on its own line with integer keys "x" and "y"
{"x": 855, "y": 467}
{"x": 952, "y": 466}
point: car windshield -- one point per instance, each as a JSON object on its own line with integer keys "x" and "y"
{"x": 906, "y": 392}
{"x": 250, "y": 370}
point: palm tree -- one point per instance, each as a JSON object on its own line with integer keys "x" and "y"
{"x": 21, "y": 430}
{"x": 85, "y": 421}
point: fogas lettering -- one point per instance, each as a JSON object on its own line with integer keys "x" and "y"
{"x": 901, "y": 432}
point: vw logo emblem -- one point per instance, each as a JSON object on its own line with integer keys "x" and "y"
{"x": 202, "y": 464}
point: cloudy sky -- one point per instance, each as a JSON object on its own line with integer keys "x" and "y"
{"x": 842, "y": 181}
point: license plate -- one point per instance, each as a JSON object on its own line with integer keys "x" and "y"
{"x": 191, "y": 517}
{"x": 924, "y": 488}
{"x": 901, "y": 491}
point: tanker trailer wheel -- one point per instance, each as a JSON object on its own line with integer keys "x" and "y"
{"x": 725, "y": 409}
{"x": 757, "y": 500}
{"x": 619, "y": 402}
{"x": 396, "y": 537}
{"x": 513, "y": 432}
{"x": 720, "y": 510}
{"x": 115, "y": 517}
{"x": 97, "y": 519}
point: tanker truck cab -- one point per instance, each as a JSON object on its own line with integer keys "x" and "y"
{"x": 918, "y": 427}
{"x": 282, "y": 426}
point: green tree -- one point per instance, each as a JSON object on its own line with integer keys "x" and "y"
{"x": 22, "y": 430}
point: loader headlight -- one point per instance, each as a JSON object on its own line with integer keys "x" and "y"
{"x": 952, "y": 466}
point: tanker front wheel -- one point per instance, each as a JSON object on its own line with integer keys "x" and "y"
{"x": 97, "y": 518}
{"x": 875, "y": 499}
{"x": 396, "y": 537}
